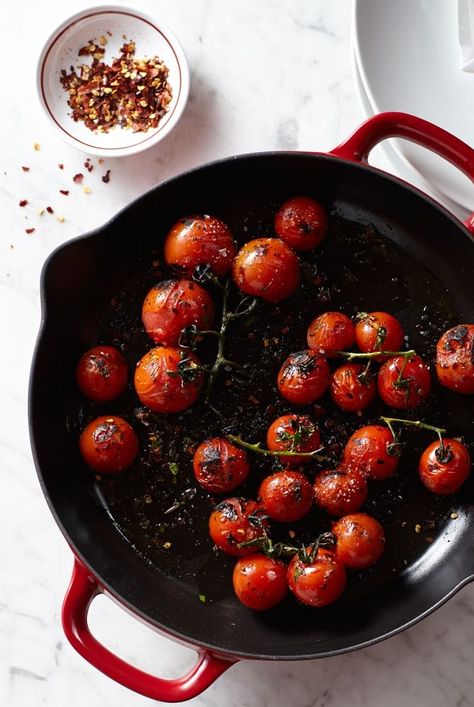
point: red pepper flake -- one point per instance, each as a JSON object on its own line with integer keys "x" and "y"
{"x": 26, "y": 169}
{"x": 106, "y": 177}
{"x": 23, "y": 202}
{"x": 29, "y": 231}
{"x": 132, "y": 93}
{"x": 88, "y": 165}
{"x": 77, "y": 179}
{"x": 60, "y": 165}
{"x": 64, "y": 191}
{"x": 49, "y": 210}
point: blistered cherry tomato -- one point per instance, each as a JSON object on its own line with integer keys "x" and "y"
{"x": 260, "y": 582}
{"x": 304, "y": 377}
{"x": 455, "y": 359}
{"x": 331, "y": 332}
{"x": 301, "y": 222}
{"x": 102, "y": 373}
{"x": 372, "y": 451}
{"x": 319, "y": 583}
{"x": 108, "y": 444}
{"x": 293, "y": 433}
{"x": 219, "y": 466}
{"x": 404, "y": 382}
{"x": 199, "y": 241}
{"x": 168, "y": 380}
{"x": 378, "y": 330}
{"x": 266, "y": 268}
{"x": 286, "y": 496}
{"x": 340, "y": 491}
{"x": 360, "y": 540}
{"x": 444, "y": 469}
{"x": 235, "y": 521}
{"x": 352, "y": 389}
{"x": 173, "y": 305}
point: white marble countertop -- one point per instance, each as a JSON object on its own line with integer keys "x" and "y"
{"x": 265, "y": 75}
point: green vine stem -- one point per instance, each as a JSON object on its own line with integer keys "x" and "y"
{"x": 221, "y": 361}
{"x": 414, "y": 423}
{"x": 265, "y": 545}
{"x": 351, "y": 355}
{"x": 286, "y": 453}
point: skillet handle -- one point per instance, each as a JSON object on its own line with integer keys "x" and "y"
{"x": 387, "y": 125}
{"x": 79, "y": 596}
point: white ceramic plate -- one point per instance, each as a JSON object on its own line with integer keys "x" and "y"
{"x": 408, "y": 57}
{"x": 386, "y": 157}
{"x": 152, "y": 38}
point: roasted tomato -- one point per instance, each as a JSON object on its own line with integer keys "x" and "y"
{"x": 108, "y": 444}
{"x": 404, "y": 382}
{"x": 301, "y": 222}
{"x": 340, "y": 491}
{"x": 266, "y": 268}
{"x": 235, "y": 521}
{"x": 304, "y": 377}
{"x": 199, "y": 241}
{"x": 378, "y": 330}
{"x": 444, "y": 468}
{"x": 455, "y": 359}
{"x": 293, "y": 433}
{"x": 259, "y": 581}
{"x": 352, "y": 389}
{"x": 168, "y": 380}
{"x": 372, "y": 451}
{"x": 220, "y": 467}
{"x": 173, "y": 305}
{"x": 360, "y": 540}
{"x": 331, "y": 332}
{"x": 318, "y": 583}
{"x": 102, "y": 373}
{"x": 286, "y": 496}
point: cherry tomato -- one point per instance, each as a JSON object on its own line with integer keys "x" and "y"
{"x": 235, "y": 521}
{"x": 200, "y": 240}
{"x": 340, "y": 491}
{"x": 219, "y": 466}
{"x": 266, "y": 268}
{"x": 304, "y": 377}
{"x": 168, "y": 380}
{"x": 102, "y": 373}
{"x": 331, "y": 332}
{"x": 372, "y": 451}
{"x": 404, "y": 382}
{"x": 352, "y": 389}
{"x": 173, "y": 305}
{"x": 376, "y": 331}
{"x": 286, "y": 496}
{"x": 108, "y": 444}
{"x": 293, "y": 433}
{"x": 360, "y": 540}
{"x": 260, "y": 582}
{"x": 319, "y": 583}
{"x": 301, "y": 222}
{"x": 455, "y": 359}
{"x": 444, "y": 469}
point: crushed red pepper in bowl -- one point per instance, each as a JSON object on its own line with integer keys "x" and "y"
{"x": 129, "y": 92}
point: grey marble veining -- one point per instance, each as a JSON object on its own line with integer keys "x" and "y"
{"x": 265, "y": 75}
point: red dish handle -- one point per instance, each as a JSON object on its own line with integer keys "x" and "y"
{"x": 386, "y": 125}
{"x": 79, "y": 596}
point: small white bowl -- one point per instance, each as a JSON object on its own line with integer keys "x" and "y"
{"x": 152, "y": 38}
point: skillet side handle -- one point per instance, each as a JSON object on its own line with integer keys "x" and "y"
{"x": 403, "y": 125}
{"x": 79, "y": 596}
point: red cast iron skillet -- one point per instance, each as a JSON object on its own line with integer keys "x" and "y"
{"x": 74, "y": 281}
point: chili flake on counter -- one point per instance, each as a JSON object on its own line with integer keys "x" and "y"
{"x": 132, "y": 93}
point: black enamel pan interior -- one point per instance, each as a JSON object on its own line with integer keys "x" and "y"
{"x": 429, "y": 251}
